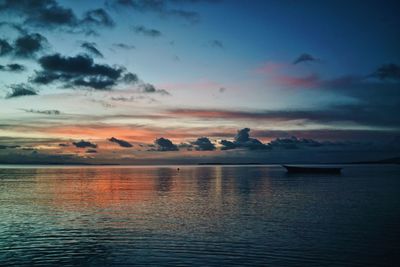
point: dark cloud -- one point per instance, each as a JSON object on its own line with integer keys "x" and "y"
{"x": 80, "y": 64}
{"x": 295, "y": 143}
{"x": 98, "y": 83}
{"x": 91, "y": 48}
{"x": 378, "y": 105}
{"x": 8, "y": 146}
{"x": 161, "y": 7}
{"x": 124, "y": 46}
{"x": 49, "y": 14}
{"x": 46, "y": 77}
{"x": 44, "y": 13}
{"x": 12, "y": 67}
{"x": 164, "y": 144}
{"x": 217, "y": 44}
{"x": 84, "y": 144}
{"x": 45, "y": 112}
{"x": 120, "y": 142}
{"x": 187, "y": 146}
{"x": 5, "y": 47}
{"x": 98, "y": 17}
{"x": 26, "y": 45}
{"x": 304, "y": 58}
{"x": 203, "y": 144}
{"x": 334, "y": 135}
{"x": 146, "y": 31}
{"x": 149, "y": 88}
{"x": 227, "y": 145}
{"x": 63, "y": 145}
{"x": 130, "y": 78}
{"x": 78, "y": 71}
{"x": 190, "y": 16}
{"x": 19, "y": 90}
{"x": 243, "y": 140}
{"x": 375, "y": 99}
{"x": 388, "y": 72}
{"x": 29, "y": 44}
{"x": 91, "y": 151}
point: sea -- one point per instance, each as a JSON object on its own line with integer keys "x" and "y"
{"x": 198, "y": 216}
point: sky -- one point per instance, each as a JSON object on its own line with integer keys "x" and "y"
{"x": 195, "y": 81}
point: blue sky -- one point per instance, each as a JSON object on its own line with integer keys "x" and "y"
{"x": 202, "y": 69}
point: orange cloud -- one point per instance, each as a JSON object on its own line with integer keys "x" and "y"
{"x": 133, "y": 134}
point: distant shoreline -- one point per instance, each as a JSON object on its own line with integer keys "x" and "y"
{"x": 392, "y": 161}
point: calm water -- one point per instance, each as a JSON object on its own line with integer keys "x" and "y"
{"x": 199, "y": 216}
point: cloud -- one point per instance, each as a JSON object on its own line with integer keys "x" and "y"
{"x": 120, "y": 142}
{"x": 78, "y": 71}
{"x": 146, "y": 31}
{"x": 91, "y": 151}
{"x": 9, "y": 146}
{"x": 217, "y": 44}
{"x": 203, "y": 144}
{"x": 363, "y": 113}
{"x": 98, "y": 17}
{"x": 12, "y": 67}
{"x": 295, "y": 143}
{"x": 304, "y": 58}
{"x": 25, "y": 46}
{"x": 91, "y": 48}
{"x": 43, "y": 13}
{"x": 309, "y": 81}
{"x": 124, "y": 46}
{"x": 45, "y": 112}
{"x": 242, "y": 140}
{"x": 149, "y": 88}
{"x": 130, "y": 78}
{"x": 93, "y": 82}
{"x": 388, "y": 72}
{"x": 80, "y": 64}
{"x": 164, "y": 144}
{"x": 374, "y": 102}
{"x": 49, "y": 14}
{"x": 190, "y": 16}
{"x": 29, "y": 44}
{"x": 123, "y": 98}
{"x": 5, "y": 47}
{"x": 84, "y": 144}
{"x": 21, "y": 89}
{"x": 227, "y": 145}
{"x": 160, "y": 7}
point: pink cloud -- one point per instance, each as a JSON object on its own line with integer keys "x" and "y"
{"x": 310, "y": 81}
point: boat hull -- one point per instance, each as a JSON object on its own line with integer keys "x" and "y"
{"x": 298, "y": 169}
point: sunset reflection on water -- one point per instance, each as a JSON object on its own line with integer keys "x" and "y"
{"x": 235, "y": 215}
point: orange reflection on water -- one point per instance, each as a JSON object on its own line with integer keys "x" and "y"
{"x": 158, "y": 189}
{"x": 95, "y": 187}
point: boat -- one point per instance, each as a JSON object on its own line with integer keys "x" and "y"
{"x": 309, "y": 169}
